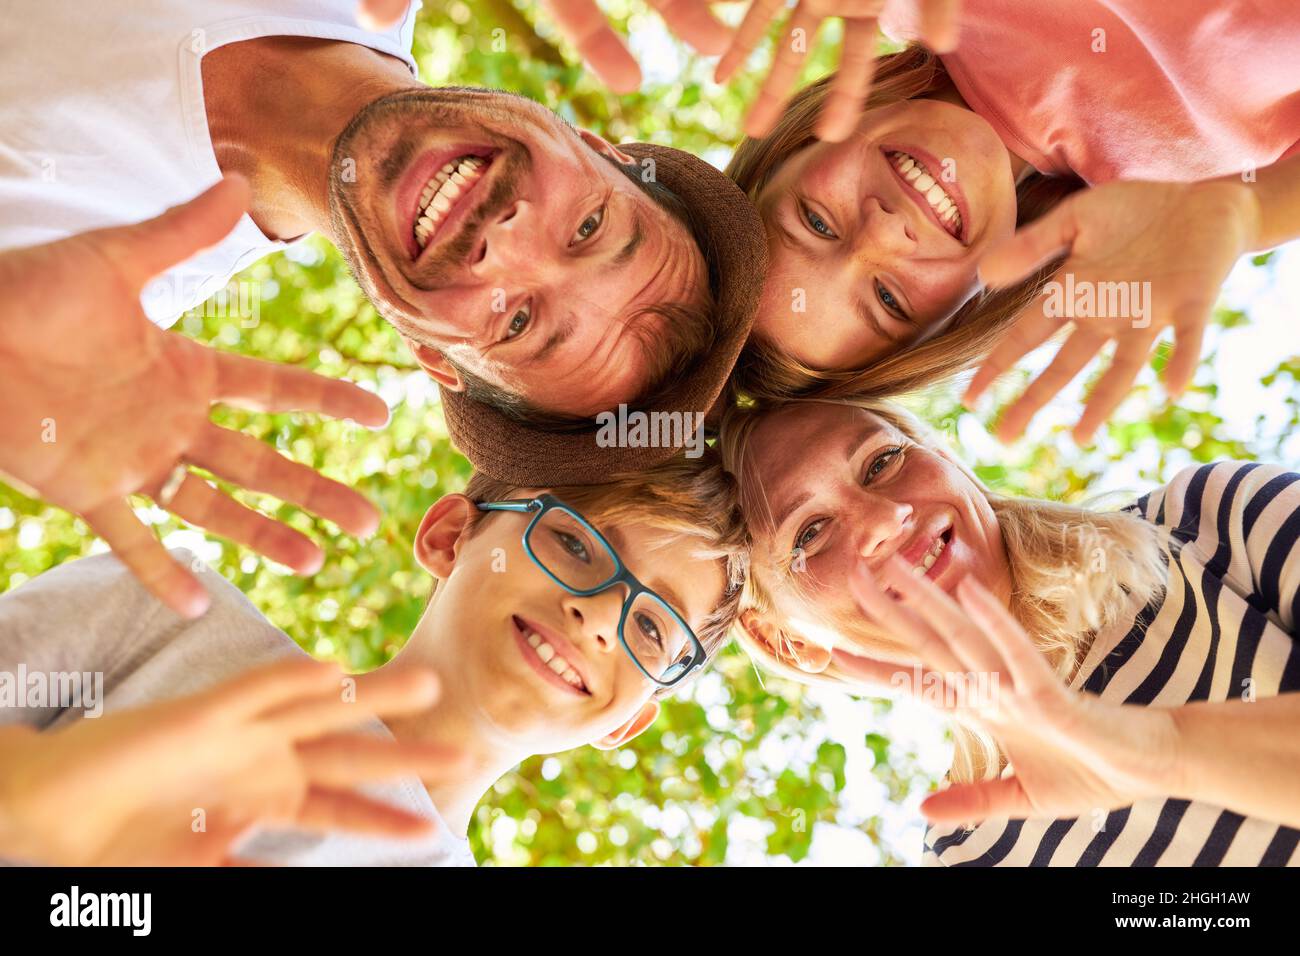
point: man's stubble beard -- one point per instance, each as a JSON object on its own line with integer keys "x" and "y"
{"x": 347, "y": 219}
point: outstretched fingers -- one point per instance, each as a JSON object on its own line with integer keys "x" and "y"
{"x": 257, "y": 466}
{"x": 202, "y": 505}
{"x": 842, "y": 109}
{"x": 275, "y": 387}
{"x": 135, "y": 546}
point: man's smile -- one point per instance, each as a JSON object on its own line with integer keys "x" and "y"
{"x": 432, "y": 197}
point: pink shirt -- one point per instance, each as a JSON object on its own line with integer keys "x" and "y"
{"x": 1132, "y": 89}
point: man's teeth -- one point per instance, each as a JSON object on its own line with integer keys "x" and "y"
{"x": 919, "y": 178}
{"x": 442, "y": 190}
{"x": 931, "y": 556}
{"x": 553, "y": 660}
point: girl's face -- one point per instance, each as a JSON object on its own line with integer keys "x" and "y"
{"x": 830, "y": 486}
{"x": 874, "y": 242}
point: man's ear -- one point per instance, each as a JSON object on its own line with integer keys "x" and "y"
{"x": 633, "y": 728}
{"x": 441, "y": 533}
{"x": 606, "y": 148}
{"x": 783, "y": 644}
{"x": 436, "y": 364}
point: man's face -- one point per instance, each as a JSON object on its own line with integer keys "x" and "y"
{"x": 486, "y": 229}
{"x": 492, "y": 597}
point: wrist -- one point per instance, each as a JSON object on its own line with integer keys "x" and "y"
{"x": 1238, "y": 205}
{"x": 15, "y": 837}
{"x": 1184, "y": 770}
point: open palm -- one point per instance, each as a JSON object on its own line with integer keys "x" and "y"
{"x": 1068, "y": 752}
{"x": 1158, "y": 251}
{"x": 100, "y": 403}
{"x": 181, "y": 781}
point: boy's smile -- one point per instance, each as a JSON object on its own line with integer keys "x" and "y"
{"x": 556, "y": 660}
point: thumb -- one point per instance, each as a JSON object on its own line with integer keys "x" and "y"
{"x": 974, "y": 802}
{"x": 147, "y": 248}
{"x": 939, "y": 24}
{"x": 380, "y": 14}
{"x": 1032, "y": 246}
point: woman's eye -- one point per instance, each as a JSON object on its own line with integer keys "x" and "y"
{"x": 882, "y": 461}
{"x": 573, "y": 545}
{"x": 888, "y": 299}
{"x": 809, "y": 534}
{"x": 817, "y": 224}
{"x": 590, "y": 225}
{"x": 518, "y": 323}
{"x": 649, "y": 628}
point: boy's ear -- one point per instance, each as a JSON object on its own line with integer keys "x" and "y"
{"x": 633, "y": 728}
{"x": 784, "y": 644}
{"x": 436, "y": 364}
{"x": 606, "y": 148}
{"x": 440, "y": 534}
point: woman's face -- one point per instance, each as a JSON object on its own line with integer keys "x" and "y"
{"x": 830, "y": 486}
{"x": 868, "y": 252}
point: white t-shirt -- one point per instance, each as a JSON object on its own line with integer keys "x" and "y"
{"x": 102, "y": 121}
{"x": 92, "y": 616}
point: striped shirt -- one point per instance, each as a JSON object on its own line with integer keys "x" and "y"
{"x": 1224, "y": 629}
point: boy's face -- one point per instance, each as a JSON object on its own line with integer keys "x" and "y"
{"x": 491, "y": 596}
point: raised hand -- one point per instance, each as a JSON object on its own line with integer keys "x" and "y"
{"x": 582, "y": 22}
{"x": 179, "y": 783}
{"x": 843, "y": 106}
{"x": 586, "y": 27}
{"x": 1155, "y": 253}
{"x": 1069, "y": 752}
{"x": 99, "y": 403}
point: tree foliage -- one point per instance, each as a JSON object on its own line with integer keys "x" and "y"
{"x": 738, "y": 758}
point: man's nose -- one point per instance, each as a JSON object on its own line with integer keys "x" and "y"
{"x": 595, "y": 619}
{"x": 515, "y": 246}
{"x": 880, "y": 523}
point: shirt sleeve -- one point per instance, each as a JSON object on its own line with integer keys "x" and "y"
{"x": 1242, "y": 519}
{"x": 80, "y": 621}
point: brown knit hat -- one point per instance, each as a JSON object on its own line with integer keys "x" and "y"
{"x": 731, "y": 237}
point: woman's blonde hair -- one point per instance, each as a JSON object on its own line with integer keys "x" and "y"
{"x": 765, "y": 371}
{"x": 1074, "y": 570}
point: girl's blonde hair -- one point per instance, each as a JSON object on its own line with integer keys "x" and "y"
{"x": 1074, "y": 570}
{"x": 765, "y": 371}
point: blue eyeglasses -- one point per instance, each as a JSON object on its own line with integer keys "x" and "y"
{"x": 577, "y": 557}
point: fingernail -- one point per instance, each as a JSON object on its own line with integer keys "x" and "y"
{"x": 430, "y": 678}
{"x": 312, "y": 563}
{"x": 367, "y": 522}
{"x": 195, "y": 604}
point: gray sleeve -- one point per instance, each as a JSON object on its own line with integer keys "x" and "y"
{"x": 85, "y": 617}
{"x": 92, "y": 616}
{"x": 91, "y": 620}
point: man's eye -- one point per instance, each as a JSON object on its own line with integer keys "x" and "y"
{"x": 518, "y": 323}
{"x": 817, "y": 224}
{"x": 590, "y": 225}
